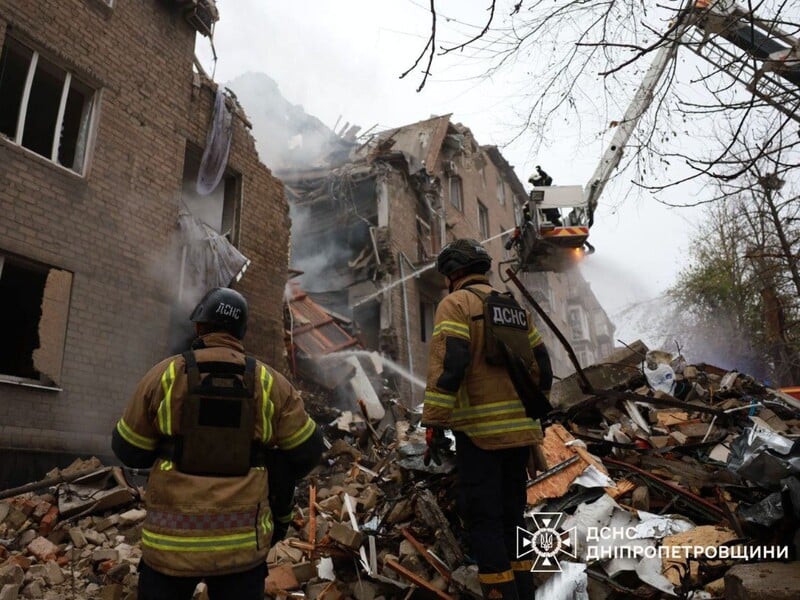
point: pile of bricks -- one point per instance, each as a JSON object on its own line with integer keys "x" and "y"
{"x": 373, "y": 522}
{"x": 42, "y": 557}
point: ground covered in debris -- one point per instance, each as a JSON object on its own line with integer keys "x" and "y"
{"x": 664, "y": 479}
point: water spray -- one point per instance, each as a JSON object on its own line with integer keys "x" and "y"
{"x": 388, "y": 363}
{"x": 416, "y": 273}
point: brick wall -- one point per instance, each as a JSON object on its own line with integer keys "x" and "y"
{"x": 479, "y": 183}
{"x": 113, "y": 227}
{"x": 403, "y": 204}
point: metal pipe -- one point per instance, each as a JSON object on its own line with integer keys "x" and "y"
{"x": 401, "y": 256}
{"x": 697, "y": 500}
{"x": 586, "y": 385}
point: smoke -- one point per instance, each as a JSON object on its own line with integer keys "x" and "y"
{"x": 321, "y": 254}
{"x": 615, "y": 286}
{"x": 286, "y": 136}
{"x": 661, "y": 324}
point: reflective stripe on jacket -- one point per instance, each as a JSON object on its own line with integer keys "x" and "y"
{"x": 205, "y": 525}
{"x": 484, "y": 403}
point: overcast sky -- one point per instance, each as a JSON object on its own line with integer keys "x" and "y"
{"x": 343, "y": 58}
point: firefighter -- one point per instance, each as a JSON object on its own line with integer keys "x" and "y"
{"x": 470, "y": 390}
{"x": 226, "y": 437}
{"x": 541, "y": 178}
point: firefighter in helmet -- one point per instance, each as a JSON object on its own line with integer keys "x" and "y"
{"x": 488, "y": 376}
{"x": 226, "y": 437}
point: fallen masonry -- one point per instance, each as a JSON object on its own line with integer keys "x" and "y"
{"x": 669, "y": 480}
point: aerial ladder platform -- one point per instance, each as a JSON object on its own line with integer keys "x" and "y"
{"x": 555, "y": 222}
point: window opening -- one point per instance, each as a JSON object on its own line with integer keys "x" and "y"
{"x": 501, "y": 192}
{"x": 483, "y": 220}
{"x": 576, "y": 324}
{"x": 218, "y": 209}
{"x": 34, "y": 306}
{"x": 43, "y": 107}
{"x": 424, "y": 241}
{"x": 454, "y": 186}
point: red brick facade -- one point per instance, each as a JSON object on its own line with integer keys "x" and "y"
{"x": 114, "y": 226}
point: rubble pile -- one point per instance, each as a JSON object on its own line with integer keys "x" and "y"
{"x": 664, "y": 479}
{"x": 76, "y": 543}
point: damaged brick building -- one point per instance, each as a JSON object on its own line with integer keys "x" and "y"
{"x": 367, "y": 227}
{"x": 102, "y": 134}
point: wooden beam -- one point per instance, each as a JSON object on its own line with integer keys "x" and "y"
{"x": 416, "y": 579}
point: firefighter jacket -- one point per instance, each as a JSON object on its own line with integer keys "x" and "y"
{"x": 463, "y": 392}
{"x": 207, "y": 525}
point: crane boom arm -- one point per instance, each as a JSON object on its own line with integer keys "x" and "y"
{"x": 642, "y": 100}
{"x": 778, "y": 51}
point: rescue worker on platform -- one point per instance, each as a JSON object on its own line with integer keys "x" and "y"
{"x": 484, "y": 344}
{"x": 226, "y": 437}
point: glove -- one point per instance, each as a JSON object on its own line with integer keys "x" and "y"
{"x": 436, "y": 441}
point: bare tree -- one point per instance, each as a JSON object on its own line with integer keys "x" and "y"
{"x": 740, "y": 62}
{"x": 741, "y": 290}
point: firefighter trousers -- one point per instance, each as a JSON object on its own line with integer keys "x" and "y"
{"x": 492, "y": 486}
{"x": 247, "y": 585}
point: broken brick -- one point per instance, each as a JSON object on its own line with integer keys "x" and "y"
{"x": 767, "y": 581}
{"x": 280, "y": 578}
{"x": 346, "y": 536}
{"x": 43, "y": 549}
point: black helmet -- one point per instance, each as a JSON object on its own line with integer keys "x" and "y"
{"x": 466, "y": 254}
{"x": 225, "y": 308}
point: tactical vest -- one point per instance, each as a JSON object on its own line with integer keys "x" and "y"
{"x": 217, "y": 419}
{"x": 505, "y": 323}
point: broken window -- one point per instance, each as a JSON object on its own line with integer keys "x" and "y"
{"x": 44, "y": 107}
{"x": 219, "y": 209}
{"x": 209, "y": 235}
{"x": 483, "y": 221}
{"x": 425, "y": 249}
{"x": 454, "y": 189}
{"x": 501, "y": 192}
{"x": 34, "y": 306}
{"x": 426, "y": 314}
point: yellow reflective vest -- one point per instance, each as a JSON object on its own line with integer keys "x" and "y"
{"x": 484, "y": 403}
{"x": 200, "y": 525}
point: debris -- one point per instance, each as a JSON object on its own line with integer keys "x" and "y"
{"x": 280, "y": 580}
{"x": 416, "y": 579}
{"x": 344, "y": 535}
{"x": 773, "y": 581}
{"x": 719, "y": 466}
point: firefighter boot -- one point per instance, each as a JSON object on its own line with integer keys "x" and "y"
{"x": 523, "y": 577}
{"x": 498, "y": 586}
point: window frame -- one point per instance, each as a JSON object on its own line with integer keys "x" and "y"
{"x": 451, "y": 180}
{"x": 577, "y": 324}
{"x": 92, "y": 104}
{"x": 230, "y": 191}
{"x": 483, "y": 221}
{"x": 424, "y": 240}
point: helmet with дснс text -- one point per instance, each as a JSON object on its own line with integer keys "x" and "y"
{"x": 224, "y": 308}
